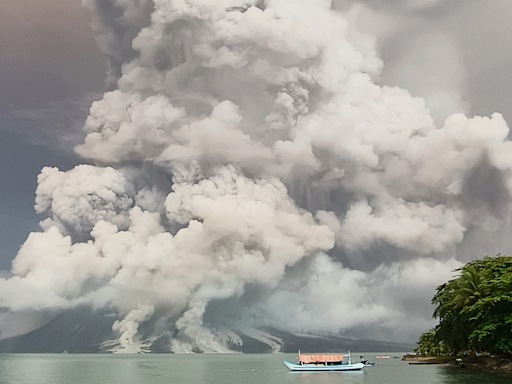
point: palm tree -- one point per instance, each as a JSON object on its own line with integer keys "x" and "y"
{"x": 469, "y": 287}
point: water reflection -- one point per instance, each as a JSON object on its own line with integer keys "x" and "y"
{"x": 468, "y": 376}
{"x": 330, "y": 377}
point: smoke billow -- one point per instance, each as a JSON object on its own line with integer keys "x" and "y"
{"x": 250, "y": 171}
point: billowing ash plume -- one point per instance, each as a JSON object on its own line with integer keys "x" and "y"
{"x": 250, "y": 171}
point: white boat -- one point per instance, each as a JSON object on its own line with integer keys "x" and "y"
{"x": 323, "y": 363}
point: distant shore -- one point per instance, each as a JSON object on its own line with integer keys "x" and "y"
{"x": 484, "y": 363}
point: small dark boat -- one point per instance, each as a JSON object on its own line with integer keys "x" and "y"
{"x": 366, "y": 362}
{"x": 428, "y": 362}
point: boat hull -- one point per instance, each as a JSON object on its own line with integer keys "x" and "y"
{"x": 323, "y": 368}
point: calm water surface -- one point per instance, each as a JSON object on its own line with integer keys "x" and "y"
{"x": 218, "y": 369}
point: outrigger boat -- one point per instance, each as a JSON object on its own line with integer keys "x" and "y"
{"x": 322, "y": 363}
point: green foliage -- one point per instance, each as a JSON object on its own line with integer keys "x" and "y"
{"x": 470, "y": 287}
{"x": 474, "y": 310}
{"x": 429, "y": 345}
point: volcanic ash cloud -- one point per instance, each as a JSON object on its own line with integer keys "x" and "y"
{"x": 251, "y": 172}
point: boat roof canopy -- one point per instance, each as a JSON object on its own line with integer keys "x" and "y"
{"x": 320, "y": 358}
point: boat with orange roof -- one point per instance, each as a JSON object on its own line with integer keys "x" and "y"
{"x": 324, "y": 362}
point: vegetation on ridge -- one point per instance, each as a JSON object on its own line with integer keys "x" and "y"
{"x": 474, "y": 311}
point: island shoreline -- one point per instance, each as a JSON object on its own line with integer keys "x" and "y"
{"x": 483, "y": 363}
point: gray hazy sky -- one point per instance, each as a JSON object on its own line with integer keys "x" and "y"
{"x": 51, "y": 69}
{"x": 49, "y": 64}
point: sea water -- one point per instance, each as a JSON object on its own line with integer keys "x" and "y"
{"x": 219, "y": 369}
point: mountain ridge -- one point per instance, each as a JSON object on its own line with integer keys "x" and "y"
{"x": 85, "y": 330}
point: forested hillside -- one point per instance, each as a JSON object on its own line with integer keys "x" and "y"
{"x": 474, "y": 310}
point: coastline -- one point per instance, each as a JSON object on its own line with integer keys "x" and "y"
{"x": 483, "y": 363}
{"x": 489, "y": 364}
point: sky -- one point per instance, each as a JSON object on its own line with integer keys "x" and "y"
{"x": 51, "y": 69}
{"x": 453, "y": 54}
